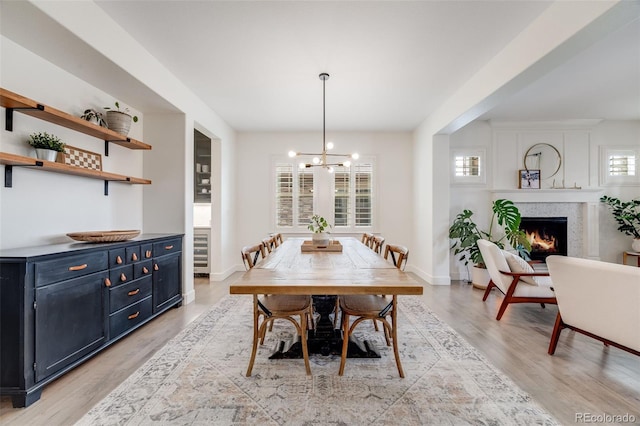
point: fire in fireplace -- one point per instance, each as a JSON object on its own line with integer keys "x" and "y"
{"x": 547, "y": 235}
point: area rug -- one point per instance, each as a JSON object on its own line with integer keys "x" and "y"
{"x": 198, "y": 378}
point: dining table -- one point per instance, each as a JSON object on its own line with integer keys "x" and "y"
{"x": 326, "y": 274}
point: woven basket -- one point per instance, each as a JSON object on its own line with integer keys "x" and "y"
{"x": 104, "y": 236}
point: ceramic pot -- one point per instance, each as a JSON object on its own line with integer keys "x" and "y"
{"x": 480, "y": 277}
{"x": 119, "y": 122}
{"x": 635, "y": 245}
{"x": 320, "y": 239}
{"x": 46, "y": 154}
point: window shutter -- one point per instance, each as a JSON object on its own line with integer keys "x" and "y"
{"x": 305, "y": 197}
{"x": 363, "y": 194}
{"x": 284, "y": 195}
{"x": 342, "y": 196}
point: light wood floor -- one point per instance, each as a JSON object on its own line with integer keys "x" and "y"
{"x": 582, "y": 377}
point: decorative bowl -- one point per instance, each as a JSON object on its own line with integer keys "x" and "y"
{"x": 104, "y": 236}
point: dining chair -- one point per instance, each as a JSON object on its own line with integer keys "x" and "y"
{"x": 399, "y": 255}
{"x": 369, "y": 307}
{"x": 278, "y": 239}
{"x": 377, "y": 243}
{"x": 269, "y": 243}
{"x": 251, "y": 255}
{"x": 366, "y": 239}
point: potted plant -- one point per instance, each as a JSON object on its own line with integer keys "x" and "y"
{"x": 319, "y": 226}
{"x": 95, "y": 117}
{"x": 120, "y": 121}
{"x": 47, "y": 146}
{"x": 627, "y": 214}
{"x": 504, "y": 226}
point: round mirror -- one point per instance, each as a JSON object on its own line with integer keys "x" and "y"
{"x": 543, "y": 157}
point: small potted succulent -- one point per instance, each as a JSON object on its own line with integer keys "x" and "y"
{"x": 95, "y": 117}
{"x": 120, "y": 120}
{"x": 319, "y": 226}
{"x": 47, "y": 146}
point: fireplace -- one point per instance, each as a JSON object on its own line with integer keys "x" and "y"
{"x": 547, "y": 235}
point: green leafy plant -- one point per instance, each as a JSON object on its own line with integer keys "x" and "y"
{"x": 43, "y": 140}
{"x": 505, "y": 222}
{"x": 92, "y": 114}
{"x": 124, "y": 111}
{"x": 318, "y": 224}
{"x": 626, "y": 213}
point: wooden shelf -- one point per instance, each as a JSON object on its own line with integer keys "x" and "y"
{"x": 10, "y": 160}
{"x": 14, "y": 102}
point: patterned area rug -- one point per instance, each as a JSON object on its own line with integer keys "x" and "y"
{"x": 198, "y": 378}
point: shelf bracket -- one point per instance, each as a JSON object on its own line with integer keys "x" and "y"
{"x": 106, "y": 188}
{"x": 8, "y": 176}
{"x": 106, "y": 148}
{"x": 8, "y": 114}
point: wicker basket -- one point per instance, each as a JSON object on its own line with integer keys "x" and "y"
{"x": 104, "y": 236}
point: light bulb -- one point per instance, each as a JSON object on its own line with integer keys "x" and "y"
{"x": 347, "y": 163}
{"x": 292, "y": 154}
{"x": 316, "y": 160}
{"x": 302, "y": 165}
{"x": 329, "y": 145}
{"x": 355, "y": 155}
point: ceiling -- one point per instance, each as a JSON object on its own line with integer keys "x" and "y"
{"x": 392, "y": 63}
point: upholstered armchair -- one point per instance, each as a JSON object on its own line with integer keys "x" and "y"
{"x": 515, "y": 278}
{"x": 598, "y": 299}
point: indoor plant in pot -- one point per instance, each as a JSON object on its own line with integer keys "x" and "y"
{"x": 47, "y": 146}
{"x": 319, "y": 226}
{"x": 627, "y": 214}
{"x": 120, "y": 121}
{"x": 93, "y": 116}
{"x": 504, "y": 226}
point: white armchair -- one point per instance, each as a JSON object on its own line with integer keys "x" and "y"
{"x": 598, "y": 299}
{"x": 514, "y": 277}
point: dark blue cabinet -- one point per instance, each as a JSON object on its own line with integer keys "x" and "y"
{"x": 61, "y": 304}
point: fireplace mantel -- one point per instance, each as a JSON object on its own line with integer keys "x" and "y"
{"x": 548, "y": 195}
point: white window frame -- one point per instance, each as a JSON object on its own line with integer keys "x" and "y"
{"x": 296, "y": 182}
{"x": 606, "y": 179}
{"x": 480, "y": 179}
{"x": 351, "y": 227}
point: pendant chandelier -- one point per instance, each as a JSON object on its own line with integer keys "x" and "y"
{"x": 322, "y": 159}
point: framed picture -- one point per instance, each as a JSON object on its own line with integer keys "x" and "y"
{"x": 80, "y": 158}
{"x": 529, "y": 179}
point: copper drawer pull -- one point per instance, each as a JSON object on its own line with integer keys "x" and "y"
{"x": 133, "y": 316}
{"x": 145, "y": 270}
{"x": 134, "y": 292}
{"x": 107, "y": 282}
{"x": 148, "y": 253}
{"x": 155, "y": 267}
{"x": 118, "y": 260}
{"x": 168, "y": 247}
{"x": 134, "y": 257}
{"x": 78, "y": 268}
{"x": 123, "y": 277}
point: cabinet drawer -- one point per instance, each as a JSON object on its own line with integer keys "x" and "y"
{"x": 166, "y": 247}
{"x": 129, "y": 293}
{"x": 117, "y": 257}
{"x": 146, "y": 251}
{"x": 133, "y": 254}
{"x": 52, "y": 271}
{"x": 121, "y": 275}
{"x": 142, "y": 269}
{"x": 129, "y": 317}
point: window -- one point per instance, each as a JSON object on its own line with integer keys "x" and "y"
{"x": 467, "y": 166}
{"x": 348, "y": 192}
{"x": 618, "y": 165}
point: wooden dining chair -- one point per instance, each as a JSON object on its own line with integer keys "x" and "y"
{"x": 366, "y": 239}
{"x": 369, "y": 307}
{"x": 377, "y": 243}
{"x": 278, "y": 239}
{"x": 399, "y": 255}
{"x": 251, "y": 255}
{"x": 269, "y": 243}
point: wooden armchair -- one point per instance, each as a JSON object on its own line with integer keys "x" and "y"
{"x": 515, "y": 278}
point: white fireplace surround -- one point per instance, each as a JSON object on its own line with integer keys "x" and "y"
{"x": 580, "y": 206}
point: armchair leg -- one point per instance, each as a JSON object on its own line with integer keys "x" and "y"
{"x": 542, "y": 304}
{"x": 488, "y": 290}
{"x": 555, "y": 335}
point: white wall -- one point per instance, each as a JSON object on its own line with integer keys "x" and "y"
{"x": 579, "y": 144}
{"x": 42, "y": 206}
{"x": 256, "y": 151}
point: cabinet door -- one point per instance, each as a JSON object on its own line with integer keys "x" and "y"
{"x": 167, "y": 284}
{"x": 70, "y": 322}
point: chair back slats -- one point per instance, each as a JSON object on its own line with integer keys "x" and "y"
{"x": 377, "y": 243}
{"x": 251, "y": 255}
{"x": 269, "y": 243}
{"x": 399, "y": 255}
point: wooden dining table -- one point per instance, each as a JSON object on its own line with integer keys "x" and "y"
{"x": 326, "y": 275}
